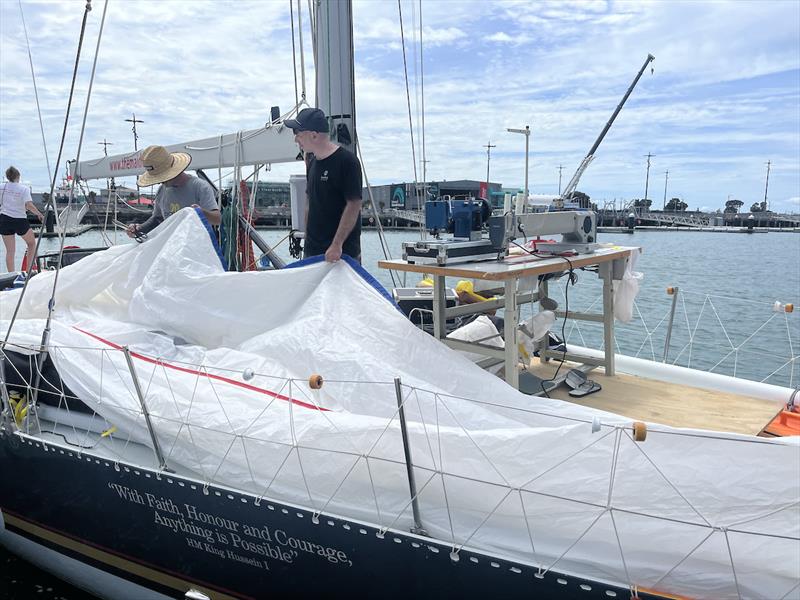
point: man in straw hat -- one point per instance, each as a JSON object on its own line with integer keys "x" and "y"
{"x": 333, "y": 219}
{"x": 178, "y": 190}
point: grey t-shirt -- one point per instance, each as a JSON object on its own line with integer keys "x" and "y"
{"x": 171, "y": 199}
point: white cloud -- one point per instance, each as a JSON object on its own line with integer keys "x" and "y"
{"x": 722, "y": 101}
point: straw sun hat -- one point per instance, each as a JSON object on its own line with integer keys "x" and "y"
{"x": 161, "y": 165}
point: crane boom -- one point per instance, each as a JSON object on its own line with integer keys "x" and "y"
{"x": 573, "y": 183}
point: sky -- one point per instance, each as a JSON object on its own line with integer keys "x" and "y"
{"x": 723, "y": 98}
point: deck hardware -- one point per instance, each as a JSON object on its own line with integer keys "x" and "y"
{"x": 639, "y": 431}
{"x": 162, "y": 464}
{"x": 315, "y": 382}
{"x": 4, "y": 400}
{"x": 672, "y": 291}
{"x": 412, "y": 484}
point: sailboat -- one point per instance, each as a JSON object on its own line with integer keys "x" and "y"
{"x": 187, "y": 431}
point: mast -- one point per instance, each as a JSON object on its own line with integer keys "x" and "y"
{"x": 335, "y": 89}
{"x": 766, "y": 187}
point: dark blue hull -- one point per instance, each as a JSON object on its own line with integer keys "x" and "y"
{"x": 170, "y": 534}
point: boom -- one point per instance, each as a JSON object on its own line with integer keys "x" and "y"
{"x": 270, "y": 144}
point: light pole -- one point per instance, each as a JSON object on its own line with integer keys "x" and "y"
{"x": 647, "y": 177}
{"x": 105, "y": 146}
{"x": 560, "y": 168}
{"x": 424, "y": 162}
{"x": 488, "y": 147}
{"x": 134, "y": 120}
{"x": 527, "y": 133}
{"x": 666, "y": 178}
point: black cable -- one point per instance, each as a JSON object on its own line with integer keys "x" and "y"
{"x": 66, "y": 441}
{"x": 571, "y": 278}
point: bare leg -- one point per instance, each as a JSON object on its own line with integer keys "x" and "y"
{"x": 30, "y": 240}
{"x": 10, "y": 244}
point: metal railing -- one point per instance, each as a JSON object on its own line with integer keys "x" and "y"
{"x": 751, "y": 339}
{"x": 419, "y": 460}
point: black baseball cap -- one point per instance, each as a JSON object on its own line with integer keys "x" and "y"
{"x": 309, "y": 119}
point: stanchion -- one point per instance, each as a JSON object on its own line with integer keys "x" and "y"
{"x": 412, "y": 485}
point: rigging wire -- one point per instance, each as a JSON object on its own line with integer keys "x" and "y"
{"x": 302, "y": 54}
{"x": 414, "y": 45}
{"x": 328, "y": 54}
{"x": 294, "y": 55}
{"x": 387, "y": 253}
{"x": 410, "y": 124}
{"x": 40, "y": 358}
{"x": 35, "y": 91}
{"x": 422, "y": 95}
{"x": 408, "y": 96}
{"x": 312, "y": 21}
{"x": 78, "y": 156}
{"x": 50, "y": 200}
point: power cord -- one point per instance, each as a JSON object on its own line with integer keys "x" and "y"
{"x": 62, "y": 436}
{"x": 572, "y": 277}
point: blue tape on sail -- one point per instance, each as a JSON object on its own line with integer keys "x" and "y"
{"x": 213, "y": 237}
{"x": 365, "y": 275}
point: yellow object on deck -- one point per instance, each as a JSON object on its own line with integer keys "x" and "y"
{"x": 465, "y": 286}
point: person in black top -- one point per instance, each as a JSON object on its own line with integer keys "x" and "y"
{"x": 333, "y": 218}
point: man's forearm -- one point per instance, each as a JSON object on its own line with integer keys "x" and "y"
{"x": 213, "y": 216}
{"x": 352, "y": 212}
{"x": 151, "y": 223}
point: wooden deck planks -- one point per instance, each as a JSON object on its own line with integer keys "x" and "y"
{"x": 668, "y": 403}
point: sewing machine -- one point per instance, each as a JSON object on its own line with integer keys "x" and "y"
{"x": 578, "y": 230}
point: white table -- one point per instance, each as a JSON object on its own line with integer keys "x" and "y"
{"x": 611, "y": 266}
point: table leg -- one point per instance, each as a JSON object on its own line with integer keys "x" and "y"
{"x": 511, "y": 320}
{"x": 439, "y": 305}
{"x": 543, "y": 345}
{"x": 608, "y": 317}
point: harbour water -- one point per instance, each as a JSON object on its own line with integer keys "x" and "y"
{"x": 725, "y": 319}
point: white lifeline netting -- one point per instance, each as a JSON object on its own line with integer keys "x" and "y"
{"x": 686, "y": 512}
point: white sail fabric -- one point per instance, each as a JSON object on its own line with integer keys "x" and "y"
{"x": 224, "y": 361}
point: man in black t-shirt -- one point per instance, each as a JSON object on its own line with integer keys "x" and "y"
{"x": 333, "y": 217}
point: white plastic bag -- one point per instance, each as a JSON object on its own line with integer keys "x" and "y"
{"x": 532, "y": 331}
{"x": 481, "y": 329}
{"x": 626, "y": 289}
